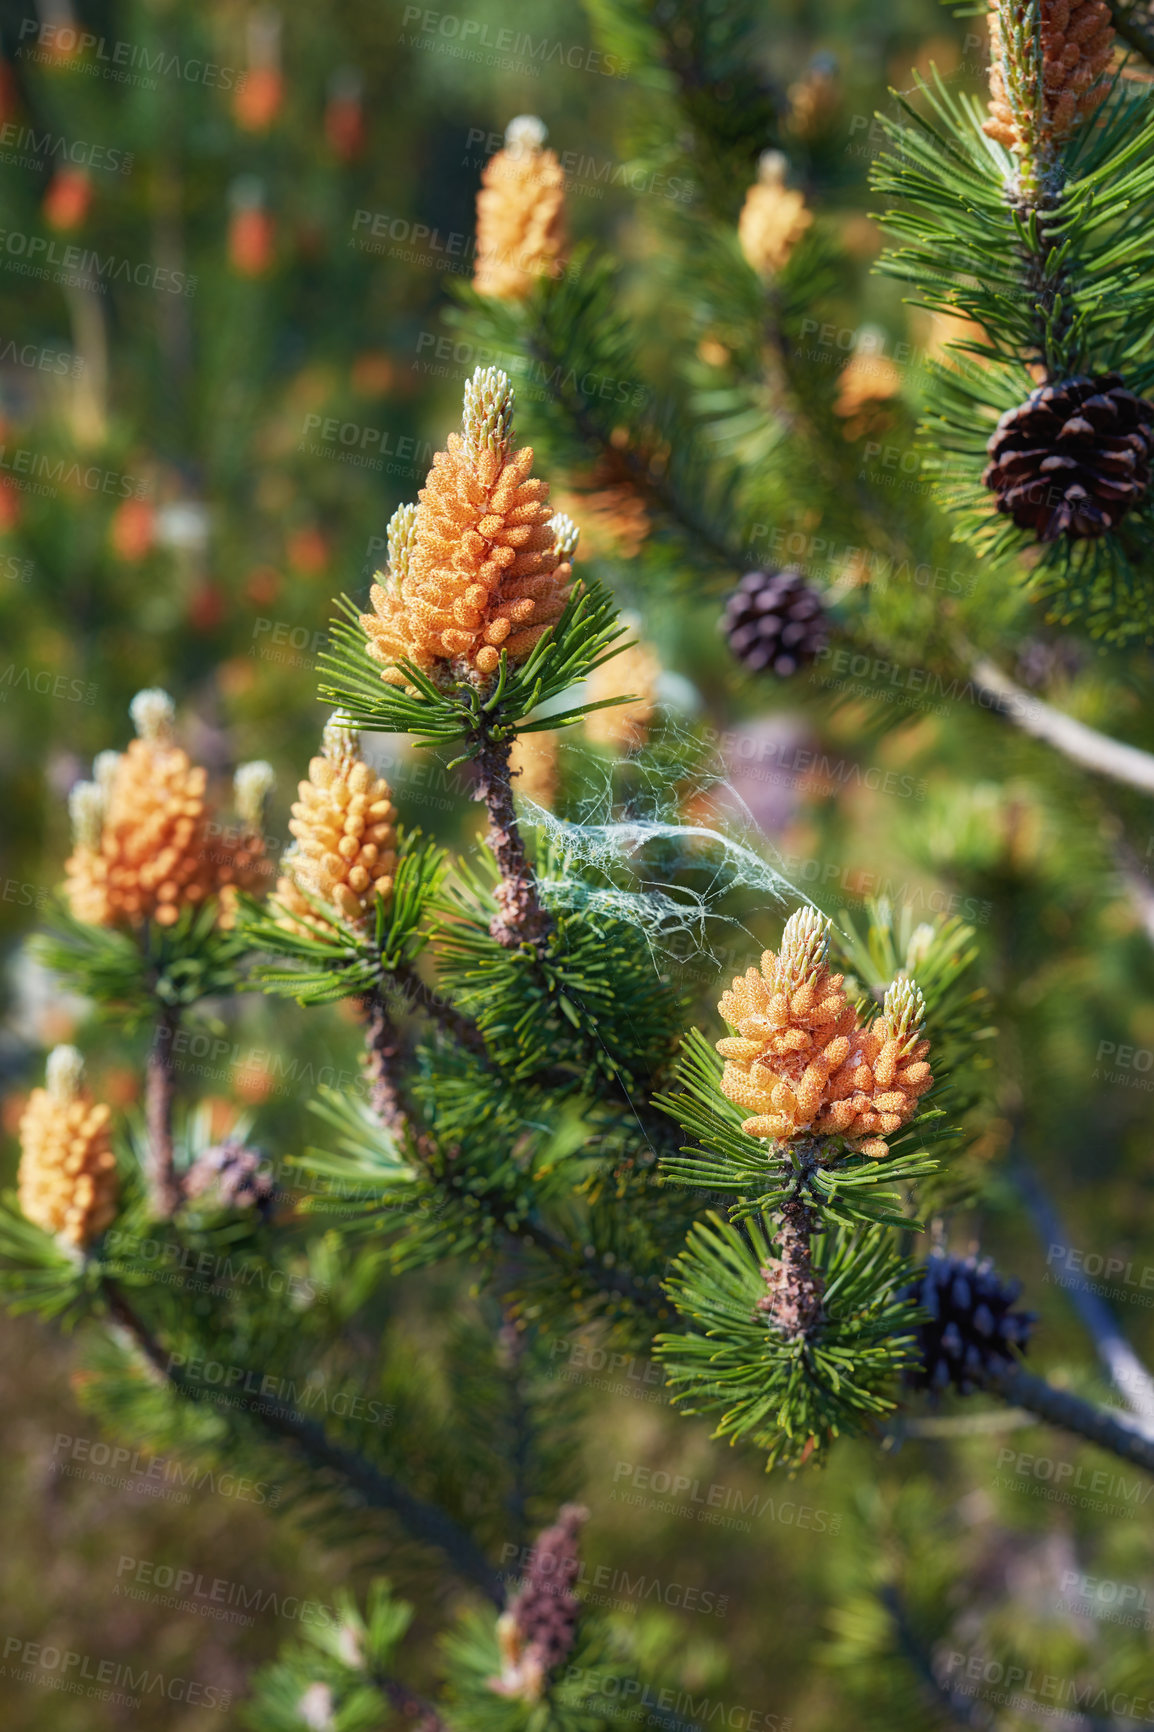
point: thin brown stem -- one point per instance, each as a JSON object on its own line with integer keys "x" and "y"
{"x": 159, "y": 1095}
{"x": 382, "y": 1061}
{"x": 520, "y": 918}
{"x": 418, "y": 994}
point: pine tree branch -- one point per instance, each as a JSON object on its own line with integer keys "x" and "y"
{"x": 423, "y": 1521}
{"x": 1132, "y": 29}
{"x": 960, "y": 1710}
{"x": 625, "y": 459}
{"x": 1082, "y": 745}
{"x": 452, "y": 1022}
{"x": 620, "y": 1282}
{"x": 1069, "y": 1412}
{"x": 1127, "y": 1372}
{"x": 159, "y": 1095}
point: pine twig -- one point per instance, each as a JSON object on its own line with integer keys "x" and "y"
{"x": 424, "y": 1521}
{"x": 159, "y": 1094}
{"x": 1127, "y": 1372}
{"x": 521, "y": 918}
{"x": 1058, "y": 1407}
{"x": 638, "y": 472}
{"x": 961, "y": 1710}
{"x": 382, "y": 1051}
{"x": 1082, "y": 745}
{"x": 452, "y": 1022}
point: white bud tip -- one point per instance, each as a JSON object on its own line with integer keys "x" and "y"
{"x": 487, "y": 417}
{"x": 86, "y": 810}
{"x": 316, "y": 1707}
{"x": 63, "y": 1072}
{"x": 104, "y": 768}
{"x": 771, "y": 168}
{"x": 341, "y": 738}
{"x": 806, "y": 935}
{"x": 349, "y": 1647}
{"x": 525, "y": 132}
{"x": 153, "y": 714}
{"x": 905, "y": 1007}
{"x": 401, "y": 533}
{"x": 566, "y": 532}
{"x": 251, "y": 787}
{"x": 921, "y": 941}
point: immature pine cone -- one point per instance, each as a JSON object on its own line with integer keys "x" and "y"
{"x": 971, "y": 1330}
{"x": 67, "y": 1182}
{"x": 802, "y": 1062}
{"x": 1072, "y": 459}
{"x": 142, "y": 850}
{"x": 774, "y": 622}
{"x": 481, "y": 565}
{"x": 344, "y": 851}
{"x": 536, "y": 1632}
{"x": 520, "y": 214}
{"x": 773, "y": 217}
{"x": 1074, "y": 49}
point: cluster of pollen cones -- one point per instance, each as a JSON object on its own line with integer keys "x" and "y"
{"x": 802, "y": 1062}
{"x": 67, "y": 1182}
{"x": 521, "y": 229}
{"x": 146, "y": 843}
{"x": 481, "y": 566}
{"x": 773, "y": 218}
{"x": 345, "y": 850}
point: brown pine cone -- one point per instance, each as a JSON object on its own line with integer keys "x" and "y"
{"x": 1072, "y": 459}
{"x": 774, "y": 622}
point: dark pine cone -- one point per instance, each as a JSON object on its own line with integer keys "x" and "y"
{"x": 775, "y": 621}
{"x": 1073, "y": 458}
{"x": 971, "y": 1330}
{"x": 234, "y": 1174}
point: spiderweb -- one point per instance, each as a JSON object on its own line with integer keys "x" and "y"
{"x": 663, "y": 842}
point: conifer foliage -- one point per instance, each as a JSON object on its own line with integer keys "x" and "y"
{"x": 560, "y": 1130}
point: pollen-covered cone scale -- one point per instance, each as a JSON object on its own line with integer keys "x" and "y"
{"x": 67, "y": 1181}
{"x": 345, "y": 851}
{"x": 520, "y": 214}
{"x": 480, "y": 566}
{"x": 801, "y": 1062}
